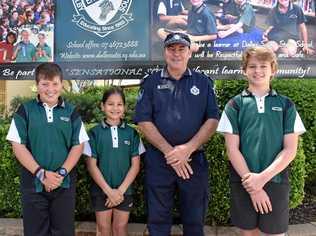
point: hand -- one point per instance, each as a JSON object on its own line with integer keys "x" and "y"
{"x": 222, "y": 34}
{"x": 183, "y": 170}
{"x": 52, "y": 180}
{"x": 178, "y": 155}
{"x": 252, "y": 182}
{"x": 231, "y": 17}
{"x": 265, "y": 38}
{"x": 115, "y": 197}
{"x": 307, "y": 50}
{"x": 261, "y": 202}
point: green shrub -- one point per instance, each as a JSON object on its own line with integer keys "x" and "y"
{"x": 10, "y": 205}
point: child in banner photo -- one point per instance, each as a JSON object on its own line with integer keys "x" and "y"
{"x": 286, "y": 28}
{"x": 245, "y": 21}
{"x": 261, "y": 129}
{"x": 6, "y": 48}
{"x": 201, "y": 25}
{"x": 170, "y": 14}
{"x": 228, "y": 14}
{"x": 113, "y": 161}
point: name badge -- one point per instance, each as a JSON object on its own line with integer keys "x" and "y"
{"x": 276, "y": 108}
{"x": 163, "y": 86}
{"x": 64, "y": 118}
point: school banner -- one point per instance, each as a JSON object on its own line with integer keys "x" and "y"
{"x": 123, "y": 39}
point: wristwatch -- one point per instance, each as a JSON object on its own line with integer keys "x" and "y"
{"x": 62, "y": 172}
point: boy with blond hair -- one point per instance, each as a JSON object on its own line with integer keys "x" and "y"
{"x": 261, "y": 129}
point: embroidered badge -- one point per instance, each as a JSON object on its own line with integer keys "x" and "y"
{"x": 194, "y": 90}
{"x": 65, "y": 118}
{"x": 102, "y": 17}
{"x": 276, "y": 108}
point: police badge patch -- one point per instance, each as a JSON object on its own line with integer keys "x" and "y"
{"x": 102, "y": 17}
{"x": 194, "y": 90}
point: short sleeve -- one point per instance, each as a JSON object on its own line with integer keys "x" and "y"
{"x": 79, "y": 134}
{"x": 212, "y": 110}
{"x": 144, "y": 105}
{"x": 292, "y": 120}
{"x": 247, "y": 16}
{"x": 137, "y": 145}
{"x": 18, "y": 128}
{"x": 211, "y": 27}
{"x": 162, "y": 9}
{"x": 301, "y": 18}
{"x": 229, "y": 119}
{"x": 90, "y": 147}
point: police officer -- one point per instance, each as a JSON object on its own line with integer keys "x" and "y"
{"x": 177, "y": 112}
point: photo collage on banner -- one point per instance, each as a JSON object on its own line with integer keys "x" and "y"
{"x": 26, "y": 31}
{"x": 222, "y": 29}
{"x": 94, "y": 39}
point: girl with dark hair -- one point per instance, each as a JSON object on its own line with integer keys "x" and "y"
{"x": 113, "y": 162}
{"x": 6, "y": 48}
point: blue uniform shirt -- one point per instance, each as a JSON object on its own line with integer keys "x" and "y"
{"x": 178, "y": 108}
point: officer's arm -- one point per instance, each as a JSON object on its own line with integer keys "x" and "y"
{"x": 153, "y": 136}
{"x": 182, "y": 153}
{"x": 202, "y": 136}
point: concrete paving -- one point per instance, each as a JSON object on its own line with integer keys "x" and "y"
{"x": 14, "y": 227}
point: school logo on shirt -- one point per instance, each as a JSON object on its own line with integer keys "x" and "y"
{"x": 65, "y": 118}
{"x": 276, "y": 108}
{"x": 127, "y": 142}
{"x": 102, "y": 17}
{"x": 194, "y": 90}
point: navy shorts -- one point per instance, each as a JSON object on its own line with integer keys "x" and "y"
{"x": 50, "y": 213}
{"x": 98, "y": 203}
{"x": 244, "y": 216}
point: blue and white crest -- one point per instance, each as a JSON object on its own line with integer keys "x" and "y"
{"x": 102, "y": 17}
{"x": 194, "y": 90}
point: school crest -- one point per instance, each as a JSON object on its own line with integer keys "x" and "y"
{"x": 102, "y": 17}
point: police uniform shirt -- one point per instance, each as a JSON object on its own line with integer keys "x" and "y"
{"x": 178, "y": 108}
{"x": 48, "y": 133}
{"x": 113, "y": 147}
{"x": 261, "y": 123}
{"x": 288, "y": 22}
{"x": 201, "y": 21}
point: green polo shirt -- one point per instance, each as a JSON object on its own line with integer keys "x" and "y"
{"x": 261, "y": 123}
{"x": 113, "y": 147}
{"x": 49, "y": 133}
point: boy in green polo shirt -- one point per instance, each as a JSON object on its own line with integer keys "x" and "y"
{"x": 261, "y": 129}
{"x": 47, "y": 137}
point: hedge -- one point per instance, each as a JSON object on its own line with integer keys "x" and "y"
{"x": 218, "y": 213}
